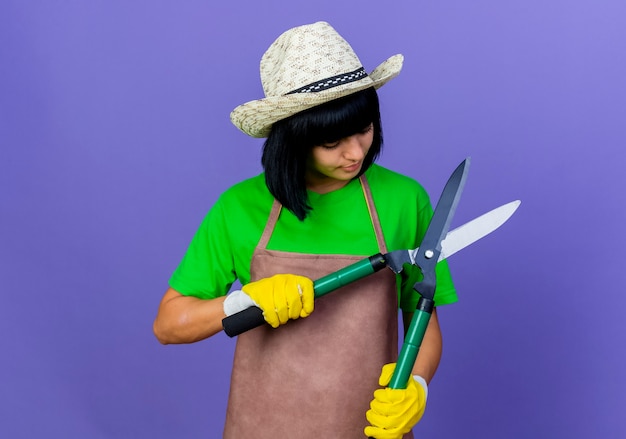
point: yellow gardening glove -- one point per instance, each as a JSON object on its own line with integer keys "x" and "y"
{"x": 394, "y": 412}
{"x": 282, "y": 297}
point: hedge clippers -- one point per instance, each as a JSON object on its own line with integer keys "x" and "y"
{"x": 437, "y": 244}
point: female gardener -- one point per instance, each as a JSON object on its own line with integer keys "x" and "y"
{"x": 320, "y": 204}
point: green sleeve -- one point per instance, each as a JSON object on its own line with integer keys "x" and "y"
{"x": 207, "y": 269}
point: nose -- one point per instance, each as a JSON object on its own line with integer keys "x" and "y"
{"x": 353, "y": 150}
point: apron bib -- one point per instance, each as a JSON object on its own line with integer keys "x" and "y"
{"x": 314, "y": 377}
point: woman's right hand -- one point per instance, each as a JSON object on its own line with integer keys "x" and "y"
{"x": 282, "y": 297}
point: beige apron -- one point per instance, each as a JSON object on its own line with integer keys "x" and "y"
{"x": 314, "y": 377}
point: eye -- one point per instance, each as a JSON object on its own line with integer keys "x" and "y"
{"x": 368, "y": 128}
{"x": 332, "y": 145}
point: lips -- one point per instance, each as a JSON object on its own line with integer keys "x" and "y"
{"x": 352, "y": 168}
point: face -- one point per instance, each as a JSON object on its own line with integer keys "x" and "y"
{"x": 331, "y": 166}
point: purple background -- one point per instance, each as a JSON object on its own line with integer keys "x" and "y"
{"x": 115, "y": 140}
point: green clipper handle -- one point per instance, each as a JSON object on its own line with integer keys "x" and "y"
{"x": 412, "y": 343}
{"x": 252, "y": 317}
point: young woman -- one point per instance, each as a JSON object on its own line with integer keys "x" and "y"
{"x": 320, "y": 205}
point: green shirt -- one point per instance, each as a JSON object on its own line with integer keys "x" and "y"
{"x": 339, "y": 223}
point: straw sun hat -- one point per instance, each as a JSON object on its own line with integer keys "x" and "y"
{"x": 307, "y": 66}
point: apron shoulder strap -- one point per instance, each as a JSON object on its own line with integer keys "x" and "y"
{"x": 371, "y": 207}
{"x": 269, "y": 225}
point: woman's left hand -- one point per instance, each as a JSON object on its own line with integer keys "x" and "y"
{"x": 394, "y": 412}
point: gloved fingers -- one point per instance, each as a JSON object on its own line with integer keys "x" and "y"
{"x": 377, "y": 417}
{"x": 380, "y": 433}
{"x": 282, "y": 297}
{"x": 300, "y": 296}
{"x": 392, "y": 426}
{"x": 261, "y": 292}
{"x": 397, "y": 409}
{"x": 391, "y": 421}
{"x": 386, "y": 374}
{"x": 387, "y": 402}
{"x": 389, "y": 406}
{"x": 279, "y": 293}
{"x": 307, "y": 295}
{"x": 271, "y": 315}
{"x": 413, "y": 396}
{"x": 287, "y": 297}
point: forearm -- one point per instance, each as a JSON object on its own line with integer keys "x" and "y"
{"x": 430, "y": 350}
{"x": 185, "y": 319}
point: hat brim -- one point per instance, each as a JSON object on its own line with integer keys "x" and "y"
{"x": 255, "y": 118}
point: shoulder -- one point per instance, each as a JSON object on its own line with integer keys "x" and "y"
{"x": 246, "y": 193}
{"x": 241, "y": 208}
{"x": 391, "y": 184}
{"x": 380, "y": 175}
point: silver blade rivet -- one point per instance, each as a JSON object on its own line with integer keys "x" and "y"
{"x": 429, "y": 254}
